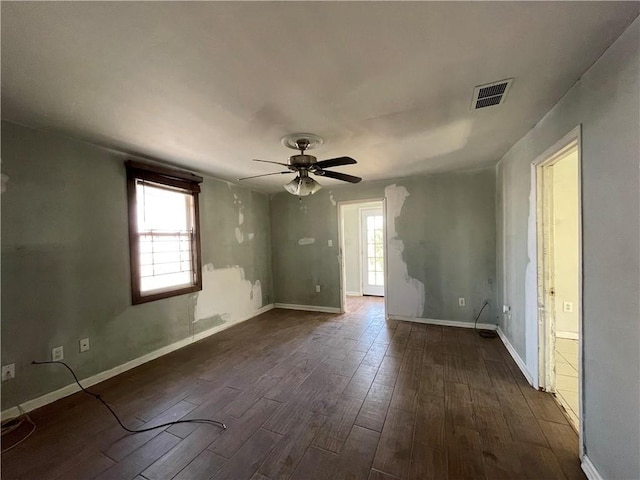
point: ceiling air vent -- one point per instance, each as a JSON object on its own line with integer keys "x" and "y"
{"x": 490, "y": 94}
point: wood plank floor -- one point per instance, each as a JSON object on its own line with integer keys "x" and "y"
{"x": 312, "y": 396}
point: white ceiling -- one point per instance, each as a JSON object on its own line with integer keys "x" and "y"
{"x": 213, "y": 85}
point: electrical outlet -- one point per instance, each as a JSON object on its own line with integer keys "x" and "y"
{"x": 8, "y": 371}
{"x": 317, "y": 288}
{"x": 57, "y": 354}
{"x": 84, "y": 345}
{"x": 567, "y": 307}
{"x": 330, "y": 243}
{"x": 461, "y": 302}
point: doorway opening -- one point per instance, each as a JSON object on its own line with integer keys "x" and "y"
{"x": 362, "y": 249}
{"x": 559, "y": 277}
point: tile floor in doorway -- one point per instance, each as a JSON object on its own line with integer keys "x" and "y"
{"x": 567, "y": 377}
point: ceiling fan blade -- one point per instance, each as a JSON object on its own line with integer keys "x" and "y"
{"x": 338, "y": 176}
{"x": 269, "y": 161}
{"x": 265, "y": 175}
{"x": 335, "y": 162}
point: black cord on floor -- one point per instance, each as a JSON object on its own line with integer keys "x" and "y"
{"x": 483, "y": 333}
{"x": 131, "y": 430}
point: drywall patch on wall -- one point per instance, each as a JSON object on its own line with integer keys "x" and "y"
{"x": 238, "y": 230}
{"x": 239, "y": 235}
{"x": 405, "y": 294}
{"x": 226, "y": 294}
{"x": 331, "y": 199}
{"x": 306, "y": 241}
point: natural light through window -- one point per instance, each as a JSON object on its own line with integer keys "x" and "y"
{"x": 165, "y": 235}
{"x": 375, "y": 249}
{"x": 163, "y": 232}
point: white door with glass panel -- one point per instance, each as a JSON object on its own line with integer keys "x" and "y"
{"x": 372, "y": 234}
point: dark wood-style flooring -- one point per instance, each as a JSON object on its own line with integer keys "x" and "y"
{"x": 312, "y": 396}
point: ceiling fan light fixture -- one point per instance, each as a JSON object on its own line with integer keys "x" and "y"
{"x": 302, "y": 186}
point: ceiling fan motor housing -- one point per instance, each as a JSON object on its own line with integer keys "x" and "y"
{"x": 302, "y": 160}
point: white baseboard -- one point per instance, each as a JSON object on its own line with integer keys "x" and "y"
{"x": 517, "y": 358}
{"x": 354, "y": 294}
{"x": 569, "y": 335}
{"x": 590, "y": 470}
{"x": 307, "y": 308}
{"x": 444, "y": 323}
{"x": 50, "y": 397}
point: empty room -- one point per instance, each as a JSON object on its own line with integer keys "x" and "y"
{"x": 320, "y": 240}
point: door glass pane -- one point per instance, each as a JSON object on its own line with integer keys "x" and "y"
{"x": 379, "y": 264}
{"x": 371, "y": 235}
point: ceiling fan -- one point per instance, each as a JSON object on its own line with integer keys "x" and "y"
{"x": 303, "y": 164}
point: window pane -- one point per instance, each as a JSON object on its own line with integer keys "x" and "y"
{"x": 371, "y": 250}
{"x": 146, "y": 259}
{"x": 371, "y": 263}
{"x": 379, "y": 278}
{"x": 378, "y": 250}
{"x": 145, "y": 246}
{"x": 168, "y": 257}
{"x": 164, "y": 222}
{"x": 377, "y": 236}
{"x": 166, "y": 244}
{"x": 165, "y": 268}
{"x": 162, "y": 209}
{"x": 372, "y": 278}
{"x": 164, "y": 281}
{"x": 379, "y": 264}
{"x": 370, "y": 223}
{"x": 378, "y": 221}
{"x": 146, "y": 270}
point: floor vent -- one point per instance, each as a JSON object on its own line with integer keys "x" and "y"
{"x": 490, "y": 94}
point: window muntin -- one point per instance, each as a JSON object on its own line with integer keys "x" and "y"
{"x": 163, "y": 232}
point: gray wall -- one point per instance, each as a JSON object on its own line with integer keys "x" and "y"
{"x": 605, "y": 101}
{"x": 65, "y": 262}
{"x": 445, "y": 241}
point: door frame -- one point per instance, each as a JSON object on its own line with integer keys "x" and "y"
{"x": 342, "y": 275}
{"x": 545, "y": 320}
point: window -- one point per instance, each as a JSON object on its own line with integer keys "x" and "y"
{"x": 375, "y": 250}
{"x": 164, "y": 233}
